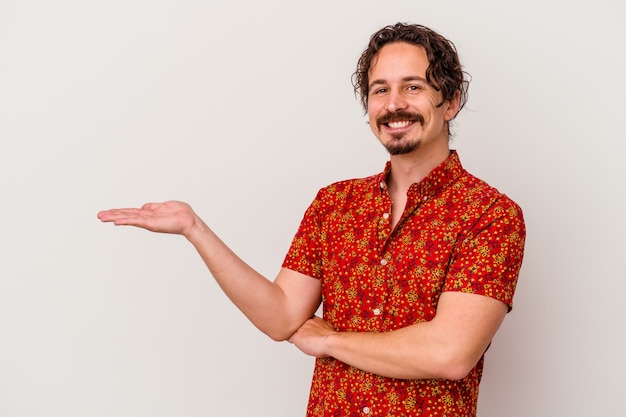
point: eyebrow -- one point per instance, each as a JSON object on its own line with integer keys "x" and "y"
{"x": 405, "y": 79}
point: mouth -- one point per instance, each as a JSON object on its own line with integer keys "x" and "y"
{"x": 399, "y": 124}
{"x": 399, "y": 121}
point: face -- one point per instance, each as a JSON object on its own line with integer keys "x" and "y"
{"x": 404, "y": 110}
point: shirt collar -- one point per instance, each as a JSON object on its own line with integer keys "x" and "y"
{"x": 438, "y": 179}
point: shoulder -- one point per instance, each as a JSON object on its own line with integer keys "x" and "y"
{"x": 349, "y": 188}
{"x": 488, "y": 209}
{"x": 477, "y": 191}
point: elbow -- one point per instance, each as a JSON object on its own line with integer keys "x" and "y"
{"x": 277, "y": 330}
{"x": 280, "y": 333}
{"x": 455, "y": 371}
{"x": 278, "y": 336}
{"x": 454, "y": 365}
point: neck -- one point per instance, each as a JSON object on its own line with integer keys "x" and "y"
{"x": 410, "y": 168}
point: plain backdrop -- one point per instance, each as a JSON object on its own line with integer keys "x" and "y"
{"x": 245, "y": 109}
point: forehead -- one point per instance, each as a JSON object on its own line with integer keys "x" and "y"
{"x": 398, "y": 60}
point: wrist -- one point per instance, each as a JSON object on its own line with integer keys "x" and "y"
{"x": 196, "y": 231}
{"x": 331, "y": 343}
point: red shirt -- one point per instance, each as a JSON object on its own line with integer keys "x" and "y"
{"x": 456, "y": 234}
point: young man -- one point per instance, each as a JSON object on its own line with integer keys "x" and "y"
{"x": 416, "y": 266}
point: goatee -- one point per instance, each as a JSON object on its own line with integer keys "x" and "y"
{"x": 398, "y": 144}
{"x": 399, "y": 147}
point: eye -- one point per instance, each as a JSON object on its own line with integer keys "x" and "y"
{"x": 414, "y": 88}
{"x": 379, "y": 91}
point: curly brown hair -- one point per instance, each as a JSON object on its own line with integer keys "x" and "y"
{"x": 444, "y": 71}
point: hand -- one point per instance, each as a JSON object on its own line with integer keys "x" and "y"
{"x": 310, "y": 338}
{"x": 173, "y": 217}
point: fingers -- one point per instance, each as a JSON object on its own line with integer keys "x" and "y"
{"x": 121, "y": 216}
{"x": 116, "y": 216}
{"x": 110, "y": 214}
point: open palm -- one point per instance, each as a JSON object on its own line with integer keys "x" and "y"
{"x": 174, "y": 217}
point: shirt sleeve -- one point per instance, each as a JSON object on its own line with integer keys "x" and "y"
{"x": 305, "y": 252}
{"x": 489, "y": 259}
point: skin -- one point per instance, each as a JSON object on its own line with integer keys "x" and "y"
{"x": 450, "y": 345}
{"x": 277, "y": 308}
{"x": 398, "y": 86}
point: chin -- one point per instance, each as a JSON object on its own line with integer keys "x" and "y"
{"x": 401, "y": 148}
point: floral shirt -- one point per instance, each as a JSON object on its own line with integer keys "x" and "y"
{"x": 456, "y": 234}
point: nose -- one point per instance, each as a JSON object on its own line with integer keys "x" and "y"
{"x": 396, "y": 101}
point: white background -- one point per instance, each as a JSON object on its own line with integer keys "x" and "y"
{"x": 244, "y": 109}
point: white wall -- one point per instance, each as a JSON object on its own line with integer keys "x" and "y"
{"x": 244, "y": 110}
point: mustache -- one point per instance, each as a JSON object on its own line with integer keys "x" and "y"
{"x": 399, "y": 116}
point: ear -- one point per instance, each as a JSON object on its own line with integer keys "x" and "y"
{"x": 453, "y": 106}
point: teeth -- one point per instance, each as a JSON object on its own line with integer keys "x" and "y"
{"x": 398, "y": 125}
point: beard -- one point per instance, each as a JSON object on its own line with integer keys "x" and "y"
{"x": 400, "y": 142}
{"x": 399, "y": 146}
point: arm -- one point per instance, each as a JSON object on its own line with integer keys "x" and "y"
{"x": 277, "y": 308}
{"x": 475, "y": 298}
{"x": 448, "y": 347}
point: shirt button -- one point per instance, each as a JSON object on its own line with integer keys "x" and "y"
{"x": 385, "y": 215}
{"x": 377, "y": 311}
{"x": 383, "y": 262}
{"x": 366, "y": 410}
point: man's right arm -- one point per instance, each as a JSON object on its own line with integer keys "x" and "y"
{"x": 277, "y": 308}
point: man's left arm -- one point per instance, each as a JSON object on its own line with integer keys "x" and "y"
{"x": 475, "y": 299}
{"x": 448, "y": 346}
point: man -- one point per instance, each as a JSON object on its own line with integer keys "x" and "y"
{"x": 416, "y": 266}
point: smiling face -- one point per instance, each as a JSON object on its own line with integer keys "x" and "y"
{"x": 405, "y": 112}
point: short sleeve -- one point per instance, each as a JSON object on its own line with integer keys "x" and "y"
{"x": 488, "y": 260}
{"x": 305, "y": 252}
